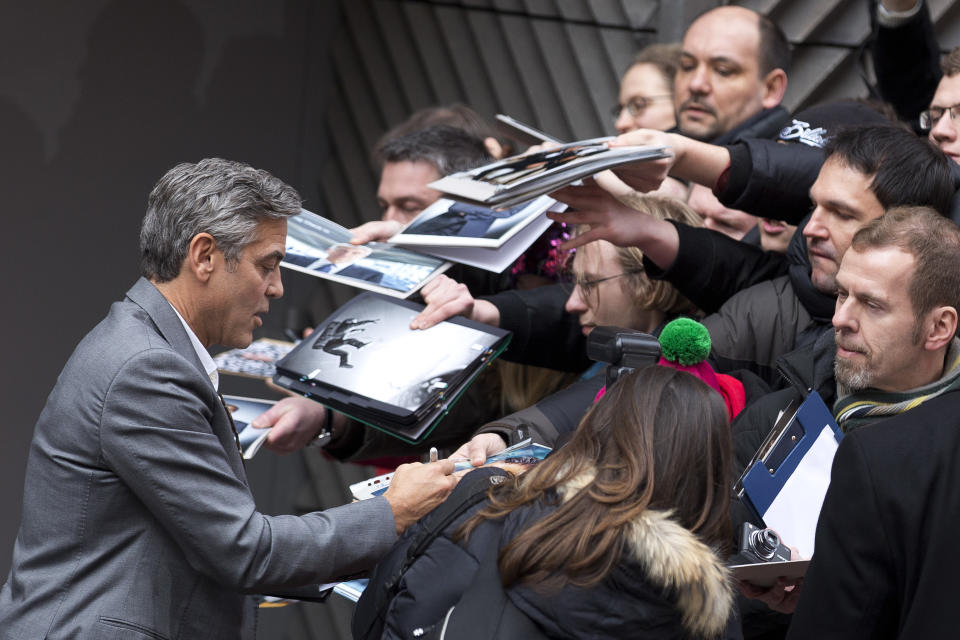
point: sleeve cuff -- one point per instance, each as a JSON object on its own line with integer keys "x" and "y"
{"x": 893, "y": 19}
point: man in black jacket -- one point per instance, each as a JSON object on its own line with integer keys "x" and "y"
{"x": 731, "y": 79}
{"x": 780, "y": 304}
{"x": 886, "y": 526}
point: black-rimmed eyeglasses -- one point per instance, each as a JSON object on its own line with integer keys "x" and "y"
{"x": 930, "y": 117}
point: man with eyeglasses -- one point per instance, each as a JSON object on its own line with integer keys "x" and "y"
{"x": 942, "y": 120}
{"x": 646, "y": 90}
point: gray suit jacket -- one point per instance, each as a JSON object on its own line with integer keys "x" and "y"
{"x": 137, "y": 518}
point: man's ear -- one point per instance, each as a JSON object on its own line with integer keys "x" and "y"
{"x": 941, "y": 325}
{"x": 774, "y": 88}
{"x": 201, "y": 256}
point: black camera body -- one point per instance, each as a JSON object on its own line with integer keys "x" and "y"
{"x": 759, "y": 545}
{"x": 624, "y": 350}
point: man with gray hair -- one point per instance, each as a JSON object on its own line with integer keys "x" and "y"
{"x": 137, "y": 517}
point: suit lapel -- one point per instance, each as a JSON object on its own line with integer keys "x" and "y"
{"x": 165, "y": 318}
{"x": 149, "y": 298}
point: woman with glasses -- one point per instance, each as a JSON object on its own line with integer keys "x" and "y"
{"x": 646, "y": 90}
{"x": 608, "y": 288}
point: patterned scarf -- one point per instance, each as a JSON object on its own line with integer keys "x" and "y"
{"x": 857, "y": 409}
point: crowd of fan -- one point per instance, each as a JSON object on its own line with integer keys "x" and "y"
{"x": 821, "y": 252}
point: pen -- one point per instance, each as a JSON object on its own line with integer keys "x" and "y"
{"x": 434, "y": 454}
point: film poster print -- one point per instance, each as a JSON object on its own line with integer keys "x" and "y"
{"x": 322, "y": 248}
{"x": 370, "y": 350}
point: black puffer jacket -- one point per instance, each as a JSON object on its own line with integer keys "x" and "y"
{"x": 764, "y": 304}
{"x": 670, "y": 585}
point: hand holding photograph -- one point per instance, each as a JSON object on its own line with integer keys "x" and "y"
{"x": 322, "y": 248}
{"x": 513, "y": 180}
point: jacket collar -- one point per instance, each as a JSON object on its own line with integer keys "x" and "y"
{"x": 144, "y": 294}
{"x": 675, "y": 559}
{"x": 766, "y": 124}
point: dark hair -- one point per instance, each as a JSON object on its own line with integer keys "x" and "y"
{"x": 658, "y": 439}
{"x": 774, "y": 47}
{"x": 906, "y": 169}
{"x": 223, "y": 198}
{"x": 665, "y": 57}
{"x": 934, "y": 243}
{"x": 456, "y": 115}
{"x": 447, "y": 148}
{"x": 950, "y": 65}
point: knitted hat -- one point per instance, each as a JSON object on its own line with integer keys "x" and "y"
{"x": 685, "y": 345}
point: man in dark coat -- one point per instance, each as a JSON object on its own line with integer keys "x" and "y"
{"x": 876, "y": 546}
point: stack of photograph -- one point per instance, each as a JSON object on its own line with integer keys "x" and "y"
{"x": 366, "y": 361}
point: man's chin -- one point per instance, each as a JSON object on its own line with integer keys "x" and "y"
{"x": 823, "y": 282}
{"x": 698, "y": 125}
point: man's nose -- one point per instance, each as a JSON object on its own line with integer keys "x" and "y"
{"x": 700, "y": 80}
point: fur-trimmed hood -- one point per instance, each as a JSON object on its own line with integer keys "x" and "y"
{"x": 672, "y": 573}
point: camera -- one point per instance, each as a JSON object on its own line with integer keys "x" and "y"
{"x": 624, "y": 350}
{"x": 760, "y": 545}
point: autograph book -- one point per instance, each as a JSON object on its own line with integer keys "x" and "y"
{"x": 366, "y": 362}
{"x": 513, "y": 180}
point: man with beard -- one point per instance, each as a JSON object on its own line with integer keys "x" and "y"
{"x": 729, "y": 84}
{"x": 885, "y": 535}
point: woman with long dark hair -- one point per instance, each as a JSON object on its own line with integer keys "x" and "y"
{"x": 617, "y": 534}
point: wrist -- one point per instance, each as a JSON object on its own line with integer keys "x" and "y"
{"x": 486, "y": 312}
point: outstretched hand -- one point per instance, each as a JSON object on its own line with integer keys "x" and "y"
{"x": 295, "y": 421}
{"x": 375, "y": 231}
{"x": 646, "y": 175}
{"x": 445, "y": 298}
{"x": 608, "y": 218}
{"x": 480, "y": 447}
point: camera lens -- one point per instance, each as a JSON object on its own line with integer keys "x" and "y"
{"x": 765, "y": 543}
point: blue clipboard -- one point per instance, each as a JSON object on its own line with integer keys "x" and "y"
{"x": 783, "y": 451}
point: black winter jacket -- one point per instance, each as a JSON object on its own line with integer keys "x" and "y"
{"x": 635, "y": 601}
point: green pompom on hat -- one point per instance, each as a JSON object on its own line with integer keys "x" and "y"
{"x": 685, "y": 342}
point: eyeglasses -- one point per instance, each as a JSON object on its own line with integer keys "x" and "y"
{"x": 636, "y": 106}
{"x": 930, "y": 117}
{"x": 587, "y": 287}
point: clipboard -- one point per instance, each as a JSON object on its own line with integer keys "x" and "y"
{"x": 786, "y": 481}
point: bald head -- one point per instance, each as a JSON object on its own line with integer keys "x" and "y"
{"x": 723, "y": 77}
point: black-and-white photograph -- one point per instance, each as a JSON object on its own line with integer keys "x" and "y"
{"x": 367, "y": 348}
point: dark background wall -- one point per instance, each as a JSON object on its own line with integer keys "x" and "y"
{"x": 98, "y": 98}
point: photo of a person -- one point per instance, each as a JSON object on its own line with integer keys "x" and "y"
{"x": 322, "y": 248}
{"x": 339, "y": 334}
{"x": 341, "y": 259}
{"x": 462, "y": 220}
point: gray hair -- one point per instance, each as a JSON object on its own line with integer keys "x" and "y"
{"x": 223, "y": 198}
